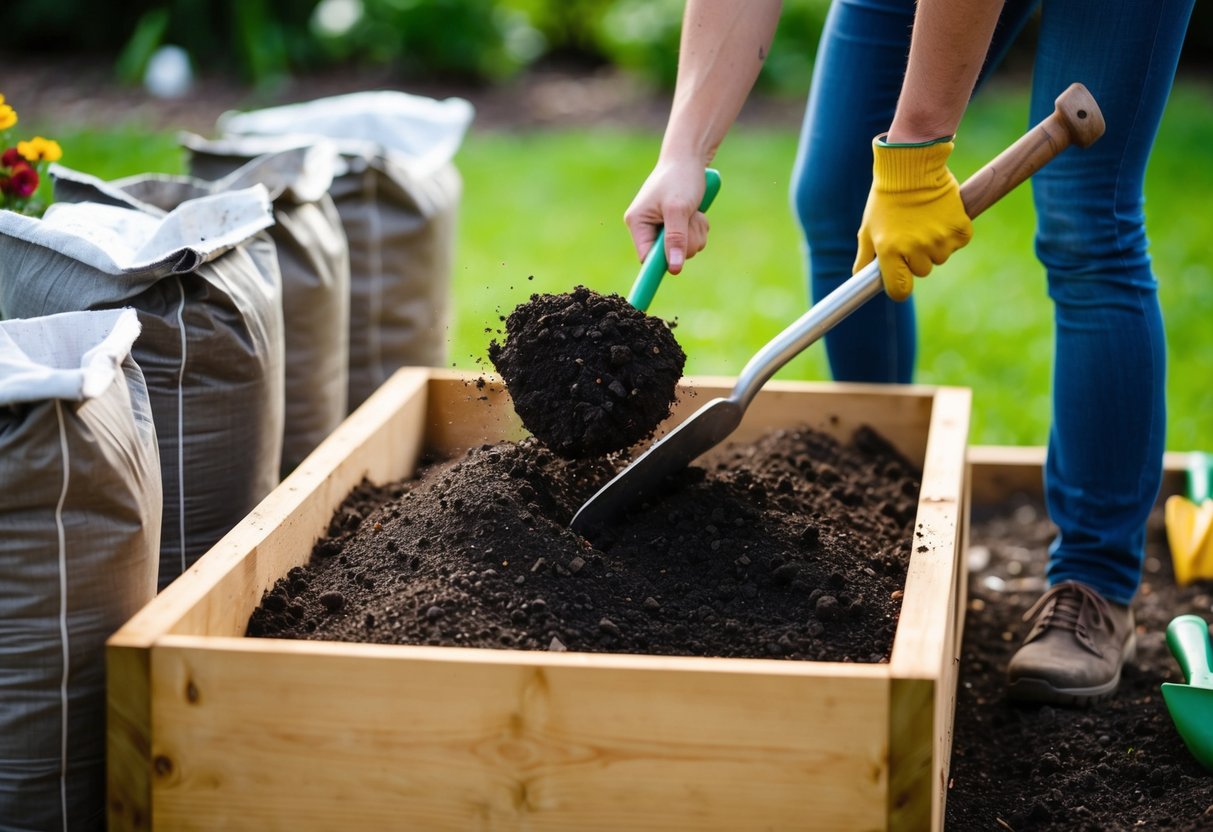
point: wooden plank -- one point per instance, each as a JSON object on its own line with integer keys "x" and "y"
{"x": 128, "y": 738}
{"x": 381, "y": 442}
{"x": 263, "y": 735}
{"x": 923, "y": 660}
{"x": 1000, "y": 471}
{"x": 901, "y": 412}
{"x": 934, "y": 557}
{"x": 461, "y": 414}
{"x": 343, "y": 735}
{"x": 220, "y": 591}
{"x": 912, "y": 730}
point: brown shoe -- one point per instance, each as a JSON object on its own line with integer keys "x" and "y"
{"x": 1076, "y": 648}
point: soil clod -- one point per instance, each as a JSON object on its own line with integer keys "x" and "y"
{"x": 589, "y": 374}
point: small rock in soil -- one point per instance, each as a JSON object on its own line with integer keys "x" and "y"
{"x": 589, "y": 374}
{"x": 332, "y": 601}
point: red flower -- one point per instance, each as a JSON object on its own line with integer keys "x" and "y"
{"x": 23, "y": 182}
{"x": 11, "y": 158}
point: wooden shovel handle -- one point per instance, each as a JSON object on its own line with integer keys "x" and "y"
{"x": 1076, "y": 119}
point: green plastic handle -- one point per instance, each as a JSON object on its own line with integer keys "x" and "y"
{"x": 655, "y": 265}
{"x": 1200, "y": 466}
{"x": 1188, "y": 638}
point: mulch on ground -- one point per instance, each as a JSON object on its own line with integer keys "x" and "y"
{"x": 589, "y": 374}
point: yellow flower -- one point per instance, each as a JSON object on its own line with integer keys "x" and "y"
{"x": 39, "y": 149}
{"x": 8, "y": 116}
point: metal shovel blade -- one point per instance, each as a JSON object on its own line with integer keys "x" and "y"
{"x": 1076, "y": 119}
{"x": 713, "y": 422}
{"x": 676, "y": 450}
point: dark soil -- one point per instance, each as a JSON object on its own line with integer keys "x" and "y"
{"x": 1119, "y": 765}
{"x": 589, "y": 374}
{"x": 793, "y": 547}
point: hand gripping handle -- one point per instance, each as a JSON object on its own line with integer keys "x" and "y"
{"x": 655, "y": 264}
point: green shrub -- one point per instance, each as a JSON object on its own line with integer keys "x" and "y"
{"x": 466, "y": 39}
{"x": 643, "y": 36}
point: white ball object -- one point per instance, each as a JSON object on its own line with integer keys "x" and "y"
{"x": 169, "y": 73}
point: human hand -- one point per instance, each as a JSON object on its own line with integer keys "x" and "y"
{"x": 670, "y": 197}
{"x": 914, "y": 217}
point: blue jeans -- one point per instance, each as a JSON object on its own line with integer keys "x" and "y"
{"x": 1109, "y": 414}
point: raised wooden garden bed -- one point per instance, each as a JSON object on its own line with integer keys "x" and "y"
{"x": 210, "y": 730}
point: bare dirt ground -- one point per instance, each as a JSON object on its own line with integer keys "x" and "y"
{"x": 83, "y": 92}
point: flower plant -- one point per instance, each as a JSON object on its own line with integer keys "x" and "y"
{"x": 22, "y": 165}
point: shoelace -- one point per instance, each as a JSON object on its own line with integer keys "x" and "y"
{"x": 1064, "y": 606}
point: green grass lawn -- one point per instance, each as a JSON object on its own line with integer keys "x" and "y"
{"x": 550, "y": 205}
{"x": 542, "y": 211}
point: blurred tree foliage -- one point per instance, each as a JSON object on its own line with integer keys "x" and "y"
{"x": 468, "y": 40}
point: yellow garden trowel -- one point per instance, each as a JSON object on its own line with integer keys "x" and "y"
{"x": 1190, "y": 524}
{"x": 1191, "y": 704}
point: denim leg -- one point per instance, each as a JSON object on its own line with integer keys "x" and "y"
{"x": 1109, "y": 416}
{"x": 856, "y": 80}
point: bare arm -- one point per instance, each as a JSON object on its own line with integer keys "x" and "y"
{"x": 724, "y": 45}
{"x": 915, "y": 217}
{"x": 947, "y": 50}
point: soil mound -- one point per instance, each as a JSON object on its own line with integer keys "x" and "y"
{"x": 795, "y": 546}
{"x": 589, "y": 374}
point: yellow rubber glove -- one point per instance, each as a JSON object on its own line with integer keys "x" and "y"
{"x": 914, "y": 217}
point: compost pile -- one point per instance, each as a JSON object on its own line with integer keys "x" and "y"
{"x": 793, "y": 547}
{"x": 589, "y": 374}
{"x": 1117, "y": 765}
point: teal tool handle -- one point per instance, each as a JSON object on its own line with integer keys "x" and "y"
{"x": 655, "y": 264}
{"x": 1188, "y": 638}
{"x": 1200, "y": 466}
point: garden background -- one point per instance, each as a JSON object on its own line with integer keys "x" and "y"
{"x": 571, "y": 97}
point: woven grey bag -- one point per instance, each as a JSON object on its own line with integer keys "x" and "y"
{"x": 205, "y": 284}
{"x": 313, "y": 258}
{"x": 398, "y": 194}
{"x": 80, "y": 504}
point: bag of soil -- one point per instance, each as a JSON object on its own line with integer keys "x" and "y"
{"x": 205, "y": 285}
{"x": 80, "y": 504}
{"x": 313, "y": 257}
{"x": 398, "y": 193}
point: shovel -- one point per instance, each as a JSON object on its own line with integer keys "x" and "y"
{"x": 1189, "y": 521}
{"x": 655, "y": 264}
{"x": 1076, "y": 119}
{"x": 1191, "y": 704}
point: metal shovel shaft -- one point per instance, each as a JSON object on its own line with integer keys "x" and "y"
{"x": 805, "y": 331}
{"x": 1076, "y": 119}
{"x": 718, "y": 418}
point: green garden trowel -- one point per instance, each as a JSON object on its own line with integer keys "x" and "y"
{"x": 1191, "y": 704}
{"x": 655, "y": 264}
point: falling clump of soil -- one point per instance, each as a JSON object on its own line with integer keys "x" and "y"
{"x": 792, "y": 547}
{"x": 589, "y": 374}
